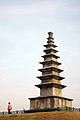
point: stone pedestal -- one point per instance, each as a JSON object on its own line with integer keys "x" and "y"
{"x": 49, "y": 102}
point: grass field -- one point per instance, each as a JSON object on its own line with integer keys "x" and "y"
{"x": 57, "y": 115}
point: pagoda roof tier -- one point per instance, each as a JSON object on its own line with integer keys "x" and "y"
{"x": 50, "y": 61}
{"x": 50, "y": 84}
{"x": 50, "y": 50}
{"x": 50, "y": 40}
{"x": 49, "y": 45}
{"x": 50, "y": 68}
{"x": 50, "y": 76}
{"x": 53, "y": 96}
{"x": 51, "y": 54}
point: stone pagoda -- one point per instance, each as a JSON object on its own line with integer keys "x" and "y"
{"x": 50, "y": 86}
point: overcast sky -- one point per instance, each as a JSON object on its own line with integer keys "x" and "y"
{"x": 24, "y": 26}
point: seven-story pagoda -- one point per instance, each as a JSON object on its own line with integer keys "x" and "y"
{"x": 50, "y": 86}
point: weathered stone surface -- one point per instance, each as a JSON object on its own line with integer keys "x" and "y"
{"x": 53, "y": 102}
{"x": 50, "y": 87}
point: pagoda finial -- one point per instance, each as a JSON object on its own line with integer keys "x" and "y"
{"x": 50, "y": 35}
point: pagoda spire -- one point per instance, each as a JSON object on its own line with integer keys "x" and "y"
{"x": 50, "y": 72}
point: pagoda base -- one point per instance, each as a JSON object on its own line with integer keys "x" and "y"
{"x": 49, "y": 102}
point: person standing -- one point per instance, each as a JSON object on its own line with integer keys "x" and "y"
{"x": 9, "y": 108}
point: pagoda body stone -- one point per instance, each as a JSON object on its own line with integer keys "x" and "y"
{"x": 50, "y": 86}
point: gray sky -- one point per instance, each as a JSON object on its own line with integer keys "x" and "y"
{"x": 23, "y": 32}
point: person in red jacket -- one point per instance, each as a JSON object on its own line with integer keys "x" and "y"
{"x": 9, "y": 108}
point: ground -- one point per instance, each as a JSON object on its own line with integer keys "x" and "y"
{"x": 57, "y": 115}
